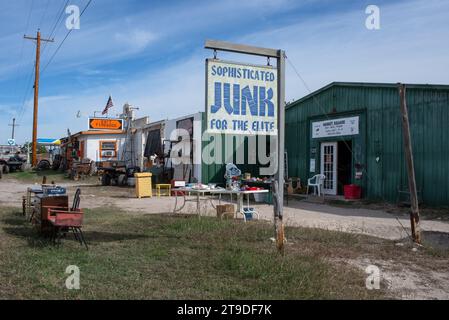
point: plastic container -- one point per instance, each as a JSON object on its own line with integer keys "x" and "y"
{"x": 260, "y": 197}
{"x": 353, "y": 192}
{"x": 249, "y": 214}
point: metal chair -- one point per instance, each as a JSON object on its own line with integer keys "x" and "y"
{"x": 64, "y": 221}
{"x": 76, "y": 200}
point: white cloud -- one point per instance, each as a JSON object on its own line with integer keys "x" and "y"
{"x": 136, "y": 39}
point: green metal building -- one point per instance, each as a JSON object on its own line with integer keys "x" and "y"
{"x": 352, "y": 132}
{"x": 214, "y": 172}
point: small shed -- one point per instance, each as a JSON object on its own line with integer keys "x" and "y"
{"x": 96, "y": 145}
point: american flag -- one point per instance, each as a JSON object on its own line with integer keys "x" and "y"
{"x": 109, "y": 105}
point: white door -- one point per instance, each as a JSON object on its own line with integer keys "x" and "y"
{"x": 329, "y": 167}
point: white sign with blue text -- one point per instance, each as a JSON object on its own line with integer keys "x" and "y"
{"x": 241, "y": 99}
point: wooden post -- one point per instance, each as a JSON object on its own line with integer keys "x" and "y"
{"x": 36, "y": 94}
{"x": 414, "y": 213}
{"x": 280, "y": 175}
{"x": 278, "y": 221}
{"x": 36, "y": 100}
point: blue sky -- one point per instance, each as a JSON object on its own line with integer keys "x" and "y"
{"x": 150, "y": 53}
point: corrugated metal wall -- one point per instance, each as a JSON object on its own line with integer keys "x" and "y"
{"x": 381, "y": 137}
{"x": 214, "y": 172}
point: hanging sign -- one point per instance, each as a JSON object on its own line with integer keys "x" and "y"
{"x": 241, "y": 99}
{"x": 335, "y": 128}
{"x": 105, "y": 124}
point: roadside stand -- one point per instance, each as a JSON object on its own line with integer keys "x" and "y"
{"x": 207, "y": 193}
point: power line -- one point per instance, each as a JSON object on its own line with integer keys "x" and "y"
{"x": 28, "y": 91}
{"x": 29, "y": 87}
{"x": 59, "y": 15}
{"x": 63, "y": 40}
{"x": 21, "y": 49}
{"x": 62, "y": 10}
{"x": 45, "y": 13}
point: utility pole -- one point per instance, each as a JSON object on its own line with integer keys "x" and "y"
{"x": 38, "y": 40}
{"x": 414, "y": 213}
{"x": 13, "y": 125}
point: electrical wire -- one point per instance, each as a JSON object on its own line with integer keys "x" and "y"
{"x": 65, "y": 38}
{"x": 59, "y": 15}
{"x": 21, "y": 67}
{"x": 45, "y": 13}
{"x": 27, "y": 93}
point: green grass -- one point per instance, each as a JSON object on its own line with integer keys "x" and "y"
{"x": 175, "y": 257}
{"x": 37, "y": 176}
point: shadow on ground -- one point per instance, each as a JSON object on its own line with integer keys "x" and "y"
{"x": 20, "y": 227}
{"x": 437, "y": 240}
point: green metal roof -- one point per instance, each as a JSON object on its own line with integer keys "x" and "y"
{"x": 369, "y": 85}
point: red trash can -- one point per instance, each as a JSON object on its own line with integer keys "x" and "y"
{"x": 353, "y": 191}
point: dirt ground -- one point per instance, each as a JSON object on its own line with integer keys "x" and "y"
{"x": 373, "y": 222}
{"x": 406, "y": 281}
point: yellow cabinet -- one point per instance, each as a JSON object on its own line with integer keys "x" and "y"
{"x": 143, "y": 185}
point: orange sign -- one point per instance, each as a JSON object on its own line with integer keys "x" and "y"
{"x": 105, "y": 124}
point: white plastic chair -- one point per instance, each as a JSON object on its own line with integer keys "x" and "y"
{"x": 317, "y": 183}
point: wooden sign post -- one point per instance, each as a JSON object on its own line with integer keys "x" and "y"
{"x": 278, "y": 189}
